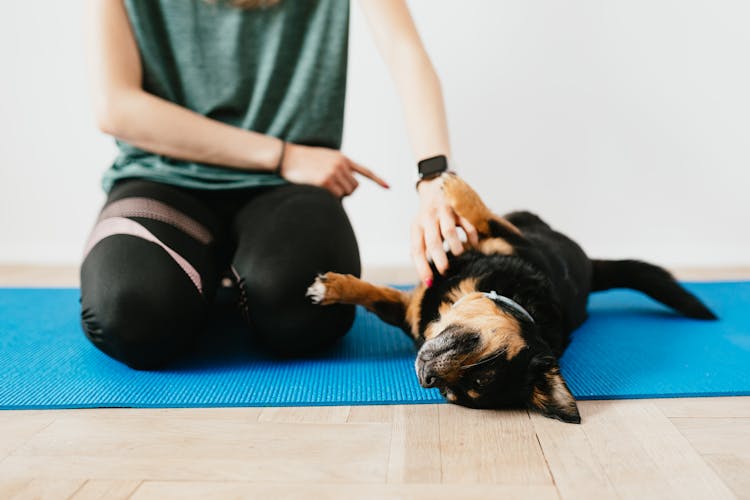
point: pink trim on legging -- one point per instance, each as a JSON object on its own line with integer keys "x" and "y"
{"x": 120, "y": 225}
{"x": 146, "y": 207}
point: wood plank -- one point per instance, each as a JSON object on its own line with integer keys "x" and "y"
{"x": 38, "y": 488}
{"x": 733, "y": 469}
{"x": 102, "y": 489}
{"x": 371, "y": 414}
{"x": 204, "y": 490}
{"x": 576, "y": 470}
{"x": 705, "y": 407}
{"x": 246, "y": 414}
{"x": 644, "y": 455}
{"x": 723, "y": 442}
{"x": 391, "y": 275}
{"x": 305, "y": 414}
{"x": 716, "y": 435}
{"x": 712, "y": 273}
{"x": 18, "y": 426}
{"x": 147, "y": 447}
{"x": 486, "y": 446}
{"x": 36, "y": 275}
{"x": 415, "y": 445}
{"x": 67, "y": 274}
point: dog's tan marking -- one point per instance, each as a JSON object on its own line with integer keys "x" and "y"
{"x": 472, "y": 394}
{"x": 444, "y": 307}
{"x": 414, "y": 310}
{"x": 464, "y": 287}
{"x": 430, "y": 330}
{"x": 498, "y": 330}
{"x": 554, "y": 394}
{"x": 467, "y": 203}
{"x": 495, "y": 246}
{"x": 538, "y": 398}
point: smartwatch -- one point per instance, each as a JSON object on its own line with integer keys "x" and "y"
{"x": 430, "y": 168}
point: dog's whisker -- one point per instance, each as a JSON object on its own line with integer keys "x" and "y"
{"x": 484, "y": 361}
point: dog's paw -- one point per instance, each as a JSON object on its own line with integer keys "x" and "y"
{"x": 317, "y": 291}
{"x": 325, "y": 289}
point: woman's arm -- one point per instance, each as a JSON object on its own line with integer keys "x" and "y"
{"x": 124, "y": 110}
{"x": 418, "y": 86}
{"x": 127, "y": 112}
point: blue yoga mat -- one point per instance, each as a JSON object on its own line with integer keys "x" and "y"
{"x": 631, "y": 347}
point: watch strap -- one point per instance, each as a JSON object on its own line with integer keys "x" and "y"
{"x": 432, "y": 167}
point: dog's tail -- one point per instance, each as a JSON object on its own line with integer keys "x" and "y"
{"x": 652, "y": 280}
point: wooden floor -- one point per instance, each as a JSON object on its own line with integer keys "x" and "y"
{"x": 668, "y": 448}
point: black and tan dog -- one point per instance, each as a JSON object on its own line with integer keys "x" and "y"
{"x": 490, "y": 331}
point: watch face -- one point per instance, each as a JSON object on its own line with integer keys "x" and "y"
{"x": 432, "y": 166}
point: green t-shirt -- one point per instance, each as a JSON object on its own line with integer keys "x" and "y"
{"x": 279, "y": 71}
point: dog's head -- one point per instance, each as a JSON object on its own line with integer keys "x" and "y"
{"x": 484, "y": 353}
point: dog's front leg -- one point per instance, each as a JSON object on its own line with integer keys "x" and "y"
{"x": 391, "y": 305}
{"x": 467, "y": 204}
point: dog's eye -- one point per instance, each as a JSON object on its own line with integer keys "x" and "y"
{"x": 482, "y": 381}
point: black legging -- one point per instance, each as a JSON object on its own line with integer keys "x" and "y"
{"x": 156, "y": 256}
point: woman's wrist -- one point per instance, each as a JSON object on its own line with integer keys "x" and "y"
{"x": 428, "y": 187}
{"x": 263, "y": 153}
{"x": 282, "y": 153}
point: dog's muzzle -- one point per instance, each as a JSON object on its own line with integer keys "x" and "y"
{"x": 440, "y": 358}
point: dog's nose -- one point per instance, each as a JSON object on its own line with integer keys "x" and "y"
{"x": 428, "y": 378}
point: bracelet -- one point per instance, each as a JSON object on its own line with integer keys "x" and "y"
{"x": 277, "y": 170}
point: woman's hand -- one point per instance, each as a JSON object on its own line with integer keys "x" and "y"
{"x": 324, "y": 167}
{"x": 436, "y": 221}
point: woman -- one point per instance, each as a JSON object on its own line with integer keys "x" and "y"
{"x": 228, "y": 117}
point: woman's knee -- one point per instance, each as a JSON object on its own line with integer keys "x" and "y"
{"x": 138, "y": 329}
{"x": 144, "y": 319}
{"x": 286, "y": 321}
{"x": 302, "y": 333}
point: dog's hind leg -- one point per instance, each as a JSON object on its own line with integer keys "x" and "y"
{"x": 393, "y": 306}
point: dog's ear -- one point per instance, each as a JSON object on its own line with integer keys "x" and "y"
{"x": 548, "y": 392}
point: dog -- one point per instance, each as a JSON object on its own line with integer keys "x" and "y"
{"x": 490, "y": 331}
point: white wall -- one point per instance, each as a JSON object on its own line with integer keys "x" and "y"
{"x": 624, "y": 124}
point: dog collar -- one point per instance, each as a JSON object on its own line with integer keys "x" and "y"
{"x": 496, "y": 297}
